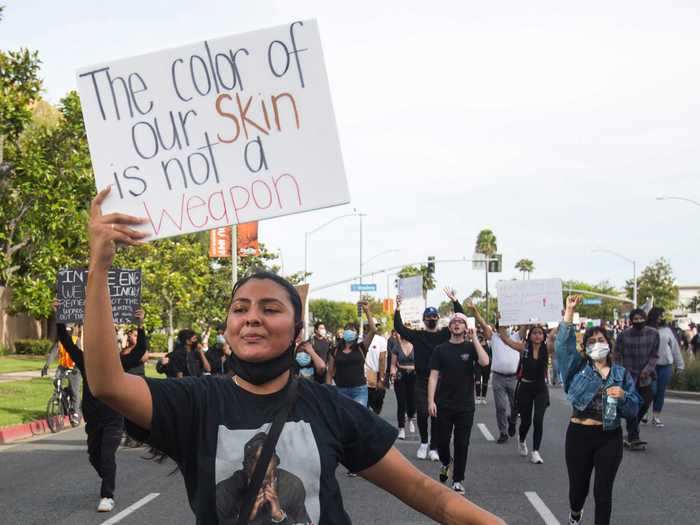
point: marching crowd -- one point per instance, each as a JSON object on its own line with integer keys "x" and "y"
{"x": 260, "y": 372}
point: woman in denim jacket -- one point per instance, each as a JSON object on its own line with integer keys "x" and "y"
{"x": 601, "y": 394}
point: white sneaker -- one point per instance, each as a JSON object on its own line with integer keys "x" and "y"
{"x": 522, "y": 448}
{"x": 422, "y": 451}
{"x": 433, "y": 455}
{"x": 411, "y": 426}
{"x": 536, "y": 458}
{"x": 402, "y": 433}
{"x": 105, "y": 505}
{"x": 458, "y": 487}
{"x": 657, "y": 422}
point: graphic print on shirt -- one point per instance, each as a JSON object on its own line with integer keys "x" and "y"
{"x": 291, "y": 484}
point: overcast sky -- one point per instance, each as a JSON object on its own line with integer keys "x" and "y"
{"x": 555, "y": 124}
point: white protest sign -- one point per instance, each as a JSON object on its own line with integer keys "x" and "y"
{"x": 412, "y": 302}
{"x": 527, "y": 302}
{"x": 225, "y": 131}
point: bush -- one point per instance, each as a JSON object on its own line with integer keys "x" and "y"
{"x": 33, "y": 346}
{"x": 158, "y": 342}
{"x": 5, "y": 350}
{"x": 689, "y": 379}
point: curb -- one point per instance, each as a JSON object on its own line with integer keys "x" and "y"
{"x": 680, "y": 394}
{"x": 13, "y": 433}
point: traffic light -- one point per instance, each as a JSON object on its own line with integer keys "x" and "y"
{"x": 496, "y": 263}
{"x": 431, "y": 264}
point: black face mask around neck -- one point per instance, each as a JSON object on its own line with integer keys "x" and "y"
{"x": 639, "y": 325}
{"x": 261, "y": 372}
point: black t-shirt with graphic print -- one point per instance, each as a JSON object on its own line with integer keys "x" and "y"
{"x": 455, "y": 362}
{"x": 205, "y": 423}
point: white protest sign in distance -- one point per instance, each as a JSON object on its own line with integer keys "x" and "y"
{"x": 220, "y": 132}
{"x": 412, "y": 302}
{"x": 528, "y": 302}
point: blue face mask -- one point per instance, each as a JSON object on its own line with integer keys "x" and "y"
{"x": 349, "y": 336}
{"x": 303, "y": 359}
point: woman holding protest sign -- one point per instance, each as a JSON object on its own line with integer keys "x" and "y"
{"x": 206, "y": 424}
{"x": 103, "y": 425}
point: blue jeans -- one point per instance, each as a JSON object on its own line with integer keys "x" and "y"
{"x": 356, "y": 393}
{"x": 663, "y": 378}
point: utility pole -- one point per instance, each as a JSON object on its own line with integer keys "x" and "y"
{"x": 234, "y": 254}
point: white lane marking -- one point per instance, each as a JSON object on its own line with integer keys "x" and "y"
{"x": 131, "y": 508}
{"x": 485, "y": 432}
{"x": 681, "y": 401}
{"x": 542, "y": 509}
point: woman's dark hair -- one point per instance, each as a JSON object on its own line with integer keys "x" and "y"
{"x": 318, "y": 323}
{"x": 284, "y": 283}
{"x": 655, "y": 317}
{"x": 184, "y": 335}
{"x": 590, "y": 332}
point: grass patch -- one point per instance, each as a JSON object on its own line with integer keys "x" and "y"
{"x": 151, "y": 371}
{"x": 16, "y": 363}
{"x": 24, "y": 401}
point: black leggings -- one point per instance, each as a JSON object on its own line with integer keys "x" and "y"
{"x": 589, "y": 448}
{"x": 404, "y": 387}
{"x": 481, "y": 380}
{"x": 421, "y": 391}
{"x": 532, "y": 395}
{"x": 103, "y": 440}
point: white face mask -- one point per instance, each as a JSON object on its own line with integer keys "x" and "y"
{"x": 598, "y": 351}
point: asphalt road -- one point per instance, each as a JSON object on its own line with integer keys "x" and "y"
{"x": 49, "y": 480}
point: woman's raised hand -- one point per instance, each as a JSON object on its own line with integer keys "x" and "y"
{"x": 451, "y": 293}
{"x": 106, "y": 231}
{"x": 572, "y": 302}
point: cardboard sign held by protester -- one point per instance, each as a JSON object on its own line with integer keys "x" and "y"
{"x": 124, "y": 292}
{"x": 220, "y": 132}
{"x": 412, "y": 302}
{"x": 537, "y": 301}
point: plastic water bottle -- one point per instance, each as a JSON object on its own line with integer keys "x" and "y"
{"x": 611, "y": 408}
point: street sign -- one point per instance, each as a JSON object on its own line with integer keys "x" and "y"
{"x": 364, "y": 287}
{"x": 592, "y": 300}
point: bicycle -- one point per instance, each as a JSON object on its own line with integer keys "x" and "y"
{"x": 61, "y": 403}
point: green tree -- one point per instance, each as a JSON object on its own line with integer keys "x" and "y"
{"x": 428, "y": 277}
{"x": 334, "y": 314}
{"x": 526, "y": 266}
{"x": 657, "y": 281}
{"x": 486, "y": 243}
{"x": 606, "y": 309}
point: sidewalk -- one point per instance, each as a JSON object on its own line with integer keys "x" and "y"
{"x": 19, "y": 376}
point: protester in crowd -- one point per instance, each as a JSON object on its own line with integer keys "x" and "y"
{"x": 346, "y": 364}
{"x": 103, "y": 425}
{"x": 66, "y": 366}
{"x": 424, "y": 342}
{"x": 452, "y": 378}
{"x": 218, "y": 358}
{"x": 403, "y": 376}
{"x": 375, "y": 371}
{"x": 482, "y": 373}
{"x": 554, "y": 372}
{"x": 532, "y": 394}
{"x": 309, "y": 364}
{"x": 185, "y": 417}
{"x": 637, "y": 350}
{"x": 601, "y": 394}
{"x": 504, "y": 367}
{"x": 669, "y": 356}
{"x": 188, "y": 358}
{"x": 131, "y": 340}
{"x": 320, "y": 341}
{"x": 695, "y": 342}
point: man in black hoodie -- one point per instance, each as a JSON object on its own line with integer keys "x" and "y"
{"x": 424, "y": 342}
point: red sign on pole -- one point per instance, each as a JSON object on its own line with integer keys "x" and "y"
{"x": 248, "y": 239}
{"x": 220, "y": 242}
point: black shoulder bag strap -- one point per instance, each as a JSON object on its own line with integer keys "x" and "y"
{"x": 266, "y": 454}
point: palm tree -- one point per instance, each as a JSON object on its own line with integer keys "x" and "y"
{"x": 526, "y": 266}
{"x": 486, "y": 243}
